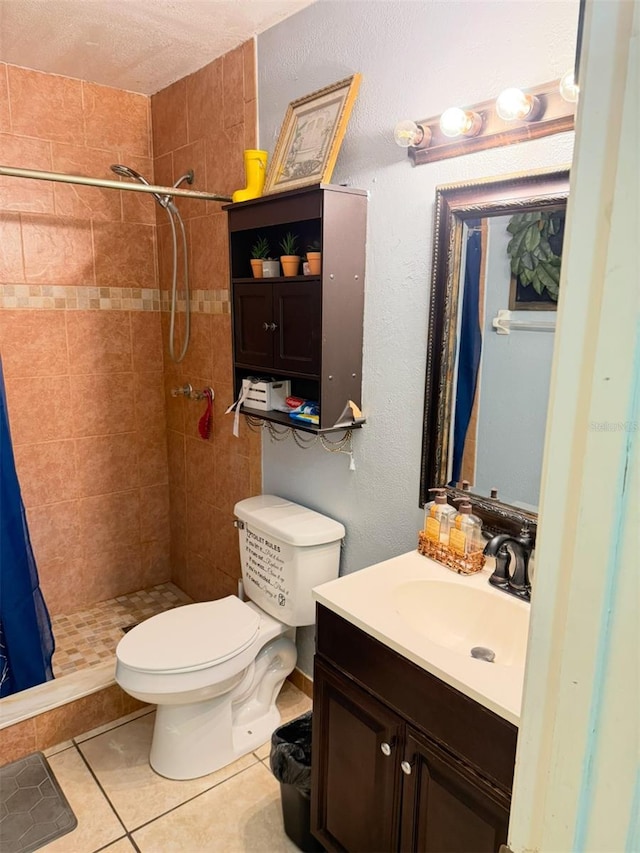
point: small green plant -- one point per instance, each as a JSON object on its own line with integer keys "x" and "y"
{"x": 314, "y": 246}
{"x": 289, "y": 244}
{"x": 533, "y": 260}
{"x": 260, "y": 249}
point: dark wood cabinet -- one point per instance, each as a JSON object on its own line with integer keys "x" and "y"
{"x": 277, "y": 327}
{"x": 401, "y": 760}
{"x": 305, "y": 329}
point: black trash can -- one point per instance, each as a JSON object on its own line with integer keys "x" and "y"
{"x": 290, "y": 761}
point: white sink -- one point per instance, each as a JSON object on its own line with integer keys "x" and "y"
{"x": 462, "y": 618}
{"x": 434, "y": 618}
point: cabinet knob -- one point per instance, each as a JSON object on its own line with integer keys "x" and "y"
{"x": 406, "y": 768}
{"x": 385, "y": 748}
{"x": 265, "y": 326}
{"x": 273, "y": 327}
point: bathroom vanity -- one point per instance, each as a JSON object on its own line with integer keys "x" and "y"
{"x": 413, "y": 739}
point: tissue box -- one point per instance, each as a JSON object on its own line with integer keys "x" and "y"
{"x": 265, "y": 395}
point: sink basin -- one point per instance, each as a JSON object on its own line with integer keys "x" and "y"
{"x": 461, "y": 618}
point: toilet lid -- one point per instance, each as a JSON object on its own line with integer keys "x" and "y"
{"x": 190, "y": 637}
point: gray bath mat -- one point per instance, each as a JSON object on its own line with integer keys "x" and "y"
{"x": 33, "y": 809}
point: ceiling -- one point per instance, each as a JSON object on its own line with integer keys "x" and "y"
{"x": 139, "y": 45}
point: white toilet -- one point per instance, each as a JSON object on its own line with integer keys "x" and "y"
{"x": 215, "y": 669}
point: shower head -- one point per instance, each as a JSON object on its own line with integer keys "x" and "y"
{"x": 128, "y": 172}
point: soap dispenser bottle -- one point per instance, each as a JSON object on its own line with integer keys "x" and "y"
{"x": 465, "y": 533}
{"x": 438, "y": 515}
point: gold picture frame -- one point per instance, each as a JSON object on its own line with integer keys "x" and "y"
{"x": 310, "y": 137}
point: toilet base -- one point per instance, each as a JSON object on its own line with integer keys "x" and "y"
{"x": 197, "y": 738}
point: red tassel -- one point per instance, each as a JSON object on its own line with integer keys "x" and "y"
{"x": 204, "y": 424}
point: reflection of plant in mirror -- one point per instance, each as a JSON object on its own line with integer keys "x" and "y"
{"x": 533, "y": 260}
{"x": 260, "y": 249}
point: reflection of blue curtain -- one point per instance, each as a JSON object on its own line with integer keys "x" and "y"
{"x": 26, "y": 639}
{"x": 468, "y": 351}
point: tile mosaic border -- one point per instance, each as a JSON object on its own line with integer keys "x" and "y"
{"x": 81, "y": 298}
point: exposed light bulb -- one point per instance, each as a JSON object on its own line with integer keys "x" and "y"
{"x": 457, "y": 122}
{"x": 408, "y": 134}
{"x": 514, "y": 105}
{"x": 569, "y": 89}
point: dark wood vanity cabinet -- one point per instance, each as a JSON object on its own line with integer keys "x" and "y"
{"x": 307, "y": 328}
{"x": 401, "y": 761}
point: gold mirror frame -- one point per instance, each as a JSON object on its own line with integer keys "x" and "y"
{"x": 455, "y": 204}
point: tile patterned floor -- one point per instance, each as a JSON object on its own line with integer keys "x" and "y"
{"x": 123, "y": 806}
{"x": 89, "y": 637}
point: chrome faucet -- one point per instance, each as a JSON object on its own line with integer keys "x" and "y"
{"x": 512, "y": 555}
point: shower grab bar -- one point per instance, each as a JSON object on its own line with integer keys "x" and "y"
{"x": 503, "y": 324}
{"x": 105, "y": 183}
{"x": 187, "y": 391}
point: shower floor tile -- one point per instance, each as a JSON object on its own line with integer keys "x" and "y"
{"x": 89, "y": 637}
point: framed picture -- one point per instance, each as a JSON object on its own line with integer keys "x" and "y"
{"x": 310, "y": 137}
{"x": 536, "y": 253}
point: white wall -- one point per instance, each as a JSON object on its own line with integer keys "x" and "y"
{"x": 417, "y": 57}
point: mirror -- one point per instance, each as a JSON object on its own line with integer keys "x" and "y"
{"x": 497, "y": 248}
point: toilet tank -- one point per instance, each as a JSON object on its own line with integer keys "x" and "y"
{"x": 285, "y": 550}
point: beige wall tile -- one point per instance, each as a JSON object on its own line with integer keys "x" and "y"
{"x": 22, "y": 194}
{"x": 29, "y": 398}
{"x": 169, "y": 118}
{"x": 99, "y": 341}
{"x": 5, "y": 117}
{"x": 45, "y": 105}
{"x": 154, "y": 514}
{"x": 102, "y": 403}
{"x": 57, "y": 250}
{"x": 33, "y": 343}
{"x": 106, "y": 463}
{"x": 152, "y": 457}
{"x": 124, "y": 254}
{"x": 11, "y": 263}
{"x": 47, "y": 472}
{"x": 71, "y": 719}
{"x": 18, "y": 740}
{"x": 114, "y": 119}
{"x": 80, "y": 202}
{"x": 233, "y": 87}
{"x": 204, "y": 97}
{"x": 108, "y": 519}
{"x": 149, "y": 402}
{"x": 146, "y": 337}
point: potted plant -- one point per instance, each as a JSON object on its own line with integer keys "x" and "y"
{"x": 289, "y": 259}
{"x": 259, "y": 253}
{"x": 314, "y": 257}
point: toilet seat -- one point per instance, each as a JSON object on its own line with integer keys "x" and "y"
{"x": 190, "y": 638}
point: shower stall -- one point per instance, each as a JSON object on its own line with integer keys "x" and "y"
{"x": 127, "y": 511}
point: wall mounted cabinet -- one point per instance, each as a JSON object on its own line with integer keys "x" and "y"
{"x": 306, "y": 328}
{"x": 402, "y": 761}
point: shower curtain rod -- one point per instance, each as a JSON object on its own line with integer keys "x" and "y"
{"x": 105, "y": 183}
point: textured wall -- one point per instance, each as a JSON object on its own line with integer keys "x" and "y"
{"x": 82, "y": 359}
{"x": 204, "y": 122}
{"x": 416, "y": 58}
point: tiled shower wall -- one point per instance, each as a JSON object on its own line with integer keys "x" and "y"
{"x": 81, "y": 333}
{"x": 82, "y": 359}
{"x": 204, "y": 122}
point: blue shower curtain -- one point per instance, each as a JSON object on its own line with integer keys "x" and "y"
{"x": 469, "y": 350}
{"x": 26, "y": 639}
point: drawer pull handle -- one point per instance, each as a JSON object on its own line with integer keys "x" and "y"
{"x": 406, "y": 768}
{"x": 385, "y": 748}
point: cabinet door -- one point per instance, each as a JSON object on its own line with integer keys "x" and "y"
{"x": 446, "y": 807}
{"x": 297, "y": 308}
{"x": 355, "y": 783}
{"x": 253, "y": 324}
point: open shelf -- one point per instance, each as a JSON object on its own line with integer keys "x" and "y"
{"x": 284, "y": 420}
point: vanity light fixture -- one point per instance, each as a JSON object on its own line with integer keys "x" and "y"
{"x": 569, "y": 89}
{"x": 517, "y": 116}
{"x": 515, "y": 105}
{"x": 457, "y": 122}
{"x": 409, "y": 134}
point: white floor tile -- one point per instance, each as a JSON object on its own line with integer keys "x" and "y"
{"x": 120, "y": 760}
{"x": 122, "y": 846}
{"x": 114, "y": 724}
{"x": 240, "y": 816}
{"x": 97, "y": 824}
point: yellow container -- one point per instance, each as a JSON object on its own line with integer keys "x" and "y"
{"x": 255, "y": 169}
